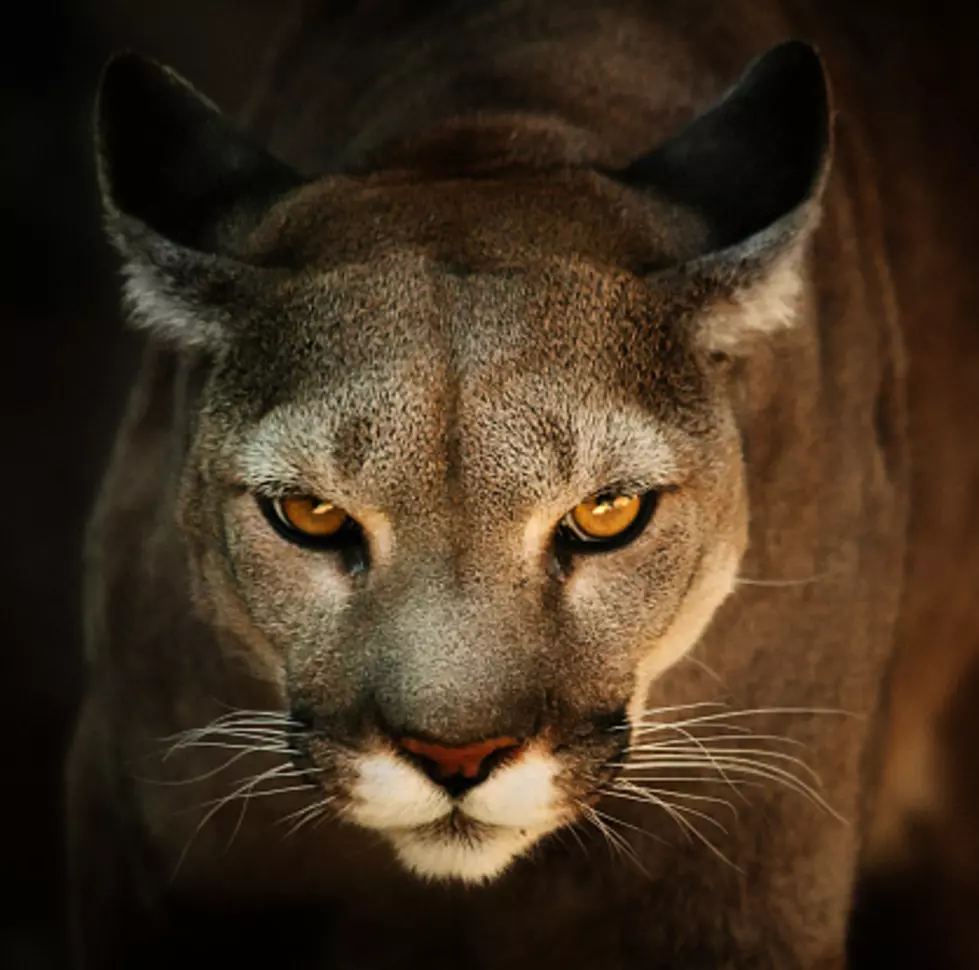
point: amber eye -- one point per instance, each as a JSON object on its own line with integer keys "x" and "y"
{"x": 309, "y": 516}
{"x": 607, "y": 520}
{"x": 605, "y": 516}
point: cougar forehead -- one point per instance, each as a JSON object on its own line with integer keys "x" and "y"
{"x": 536, "y": 384}
{"x": 503, "y": 220}
{"x": 474, "y": 305}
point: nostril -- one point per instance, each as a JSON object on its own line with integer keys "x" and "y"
{"x": 457, "y": 768}
{"x": 455, "y": 785}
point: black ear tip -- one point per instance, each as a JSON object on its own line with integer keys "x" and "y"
{"x": 140, "y": 109}
{"x": 126, "y": 78}
{"x": 126, "y": 71}
{"x": 130, "y": 80}
{"x": 791, "y": 80}
{"x": 127, "y": 63}
{"x": 798, "y": 51}
{"x": 122, "y": 90}
{"x": 798, "y": 56}
{"x": 798, "y": 68}
{"x": 758, "y": 155}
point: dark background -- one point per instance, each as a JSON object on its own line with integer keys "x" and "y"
{"x": 66, "y": 360}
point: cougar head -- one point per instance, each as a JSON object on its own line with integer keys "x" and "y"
{"x": 465, "y": 474}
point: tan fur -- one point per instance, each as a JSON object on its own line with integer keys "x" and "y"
{"x": 487, "y": 317}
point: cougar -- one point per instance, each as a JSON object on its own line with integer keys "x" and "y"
{"x": 500, "y": 559}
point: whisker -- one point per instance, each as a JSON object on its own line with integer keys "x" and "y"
{"x": 572, "y": 828}
{"x": 226, "y": 731}
{"x": 689, "y": 796}
{"x": 248, "y": 794}
{"x": 653, "y": 800}
{"x": 745, "y": 766}
{"x": 735, "y": 730}
{"x": 176, "y": 782}
{"x": 686, "y": 826}
{"x": 243, "y": 713}
{"x": 611, "y": 821}
{"x": 759, "y": 711}
{"x": 612, "y": 839}
{"x": 231, "y": 734}
{"x": 242, "y": 749}
{"x": 722, "y": 753}
{"x": 707, "y": 753}
{"x": 302, "y": 811}
{"x": 262, "y": 745}
{"x": 264, "y": 794}
{"x": 285, "y": 770}
{"x": 589, "y": 813}
{"x": 270, "y": 745}
{"x": 307, "y": 814}
{"x": 628, "y": 825}
{"x": 320, "y": 819}
{"x": 234, "y": 729}
{"x": 258, "y": 779}
{"x": 226, "y": 725}
{"x": 652, "y": 711}
{"x": 697, "y": 662}
{"x": 238, "y": 824}
{"x": 777, "y": 583}
{"x": 198, "y": 737}
{"x": 230, "y": 724}
{"x": 638, "y": 793}
{"x": 694, "y": 779}
{"x": 232, "y": 709}
{"x": 732, "y": 736}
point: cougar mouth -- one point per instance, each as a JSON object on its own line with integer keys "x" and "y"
{"x": 457, "y": 848}
{"x": 457, "y": 825}
{"x": 471, "y": 837}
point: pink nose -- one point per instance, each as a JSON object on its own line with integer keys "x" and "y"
{"x": 467, "y": 760}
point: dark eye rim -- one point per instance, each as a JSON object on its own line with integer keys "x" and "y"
{"x": 348, "y": 535}
{"x": 566, "y": 540}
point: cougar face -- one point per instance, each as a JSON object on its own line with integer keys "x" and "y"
{"x": 466, "y": 475}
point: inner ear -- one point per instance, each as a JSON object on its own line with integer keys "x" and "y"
{"x": 758, "y": 155}
{"x": 169, "y": 158}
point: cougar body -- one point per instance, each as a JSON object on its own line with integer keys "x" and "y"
{"x": 473, "y": 266}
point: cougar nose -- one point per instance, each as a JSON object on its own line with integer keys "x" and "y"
{"x": 458, "y": 768}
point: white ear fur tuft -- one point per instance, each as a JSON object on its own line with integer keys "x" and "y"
{"x": 758, "y": 309}
{"x": 177, "y": 294}
{"x": 180, "y": 188}
{"x": 156, "y": 305}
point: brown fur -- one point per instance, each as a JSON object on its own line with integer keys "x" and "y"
{"x": 481, "y": 204}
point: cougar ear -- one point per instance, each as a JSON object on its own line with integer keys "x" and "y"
{"x": 754, "y": 168}
{"x": 179, "y": 187}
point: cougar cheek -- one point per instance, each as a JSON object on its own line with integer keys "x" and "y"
{"x": 388, "y": 794}
{"x": 520, "y": 795}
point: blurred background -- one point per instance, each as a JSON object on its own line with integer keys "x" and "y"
{"x": 67, "y": 360}
{"x": 66, "y": 363}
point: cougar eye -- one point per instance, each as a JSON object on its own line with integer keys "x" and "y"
{"x": 606, "y": 520}
{"x": 307, "y": 519}
{"x": 310, "y": 516}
